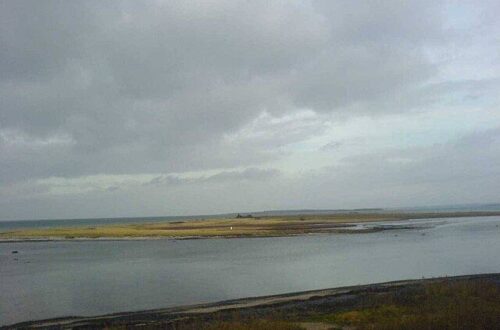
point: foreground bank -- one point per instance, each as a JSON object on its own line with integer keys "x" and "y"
{"x": 460, "y": 302}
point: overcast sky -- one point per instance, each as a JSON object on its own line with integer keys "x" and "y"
{"x": 149, "y": 108}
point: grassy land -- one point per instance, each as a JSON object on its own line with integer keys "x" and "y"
{"x": 435, "y": 306}
{"x": 449, "y": 305}
{"x": 246, "y": 227}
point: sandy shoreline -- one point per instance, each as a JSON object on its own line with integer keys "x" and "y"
{"x": 166, "y": 317}
{"x": 168, "y": 238}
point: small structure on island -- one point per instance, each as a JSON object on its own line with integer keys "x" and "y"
{"x": 242, "y": 216}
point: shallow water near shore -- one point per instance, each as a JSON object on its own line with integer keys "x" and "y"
{"x": 63, "y": 278}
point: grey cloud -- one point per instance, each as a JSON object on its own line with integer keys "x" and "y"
{"x": 173, "y": 86}
{"x": 132, "y": 81}
{"x": 251, "y": 174}
{"x": 247, "y": 174}
{"x": 143, "y": 82}
{"x": 360, "y": 76}
{"x": 178, "y": 45}
{"x": 472, "y": 157}
{"x": 376, "y": 22}
{"x": 374, "y": 52}
{"x": 334, "y": 145}
{"x": 37, "y": 47}
{"x": 439, "y": 174}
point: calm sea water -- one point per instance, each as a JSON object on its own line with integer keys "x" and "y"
{"x": 51, "y": 279}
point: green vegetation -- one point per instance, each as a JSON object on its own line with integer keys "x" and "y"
{"x": 444, "y": 306}
{"x": 437, "y": 306}
{"x": 253, "y": 324}
{"x": 236, "y": 227}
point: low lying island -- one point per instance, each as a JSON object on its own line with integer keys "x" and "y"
{"x": 233, "y": 227}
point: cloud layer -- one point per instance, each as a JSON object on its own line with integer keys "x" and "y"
{"x": 131, "y": 108}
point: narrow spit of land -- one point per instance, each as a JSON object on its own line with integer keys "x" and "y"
{"x": 270, "y": 226}
{"x": 461, "y": 302}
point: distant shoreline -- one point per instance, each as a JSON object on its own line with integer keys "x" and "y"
{"x": 231, "y": 228}
{"x": 306, "y": 300}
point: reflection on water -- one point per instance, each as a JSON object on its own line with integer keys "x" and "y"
{"x": 52, "y": 279}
